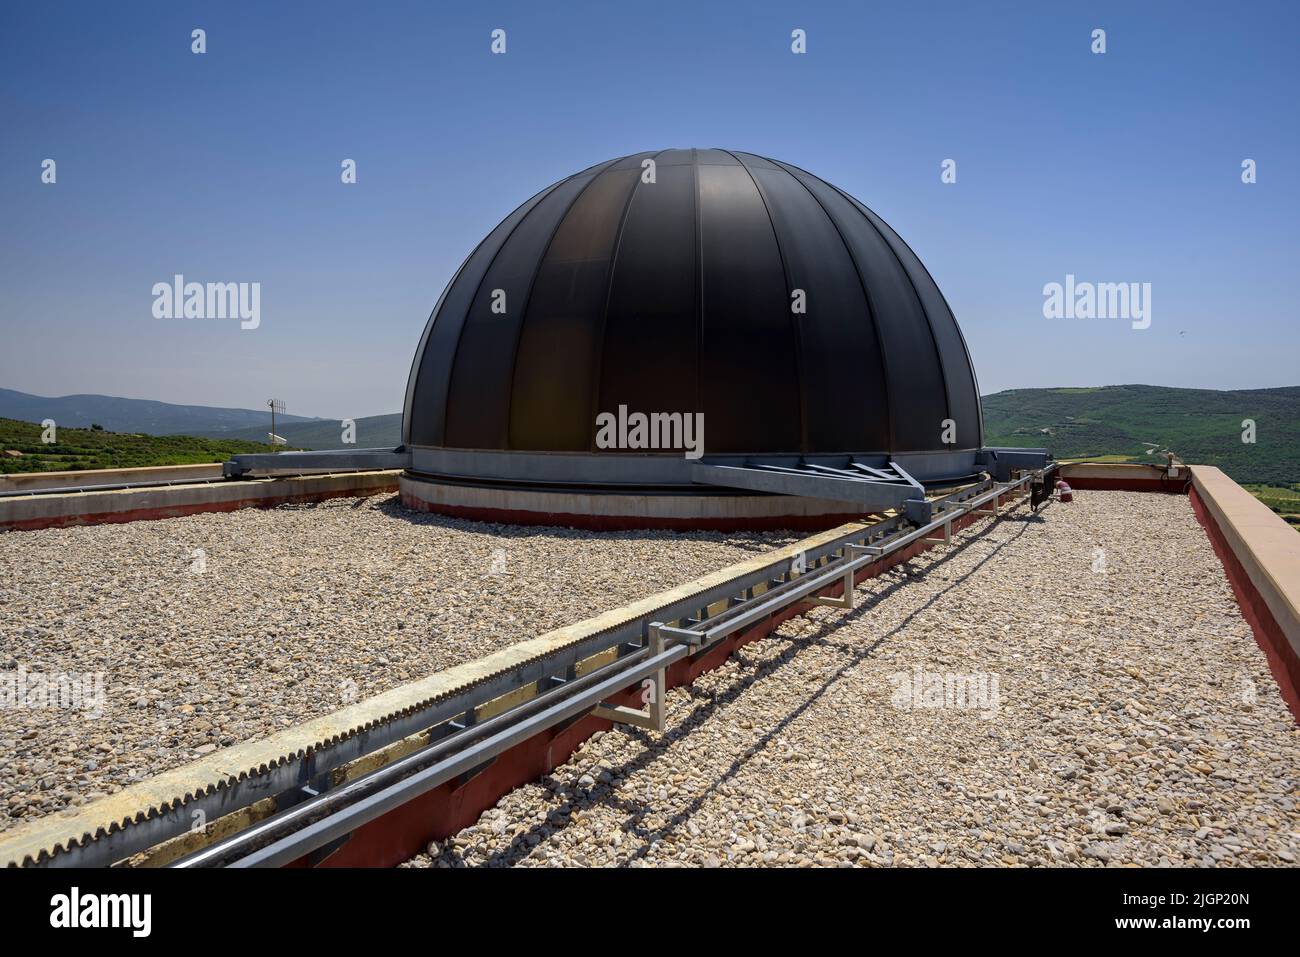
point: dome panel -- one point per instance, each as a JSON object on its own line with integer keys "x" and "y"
{"x": 675, "y": 157}
{"x": 838, "y": 349}
{"x": 649, "y": 357}
{"x": 715, "y": 158}
{"x": 918, "y": 397}
{"x": 749, "y": 377}
{"x": 424, "y": 416}
{"x": 555, "y": 367}
{"x": 958, "y": 373}
{"x": 478, "y": 404}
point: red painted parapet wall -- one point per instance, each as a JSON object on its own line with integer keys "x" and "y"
{"x": 1261, "y": 555}
{"x": 1117, "y": 477}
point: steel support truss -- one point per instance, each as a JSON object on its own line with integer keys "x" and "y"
{"x": 652, "y": 694}
{"x": 872, "y": 489}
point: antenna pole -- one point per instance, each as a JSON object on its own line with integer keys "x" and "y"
{"x": 276, "y": 405}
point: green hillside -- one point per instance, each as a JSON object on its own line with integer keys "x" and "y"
{"x": 1202, "y": 426}
{"x": 99, "y": 449}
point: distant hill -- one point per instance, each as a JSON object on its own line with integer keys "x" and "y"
{"x": 373, "y": 432}
{"x": 101, "y": 449}
{"x": 139, "y": 415}
{"x": 1202, "y": 426}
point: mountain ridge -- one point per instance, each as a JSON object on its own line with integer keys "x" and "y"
{"x": 149, "y": 416}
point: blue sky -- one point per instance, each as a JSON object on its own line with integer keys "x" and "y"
{"x": 1122, "y": 167}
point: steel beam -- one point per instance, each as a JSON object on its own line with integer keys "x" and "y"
{"x": 871, "y": 495}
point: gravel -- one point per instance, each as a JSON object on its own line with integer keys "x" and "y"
{"x": 1136, "y": 723}
{"x": 218, "y": 628}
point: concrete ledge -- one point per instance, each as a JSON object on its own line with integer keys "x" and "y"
{"x": 1261, "y": 554}
{"x": 30, "y": 481}
{"x": 131, "y": 505}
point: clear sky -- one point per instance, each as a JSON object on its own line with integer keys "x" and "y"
{"x": 225, "y": 166}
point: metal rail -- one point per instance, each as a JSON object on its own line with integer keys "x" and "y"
{"x": 319, "y": 822}
{"x": 338, "y": 813}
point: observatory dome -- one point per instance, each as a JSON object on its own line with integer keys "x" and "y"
{"x": 708, "y": 281}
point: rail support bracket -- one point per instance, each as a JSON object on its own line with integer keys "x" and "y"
{"x": 652, "y": 693}
{"x": 875, "y": 551}
{"x": 947, "y": 535}
{"x": 845, "y": 601}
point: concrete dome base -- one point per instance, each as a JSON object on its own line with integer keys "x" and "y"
{"x": 603, "y": 510}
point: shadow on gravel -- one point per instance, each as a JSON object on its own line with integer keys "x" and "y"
{"x": 709, "y": 704}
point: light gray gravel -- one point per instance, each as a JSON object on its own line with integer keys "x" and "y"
{"x": 1136, "y": 723}
{"x": 218, "y": 628}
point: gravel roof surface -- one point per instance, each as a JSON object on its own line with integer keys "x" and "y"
{"x": 218, "y": 628}
{"x": 1136, "y": 722}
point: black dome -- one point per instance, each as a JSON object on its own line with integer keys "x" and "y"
{"x": 675, "y": 296}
